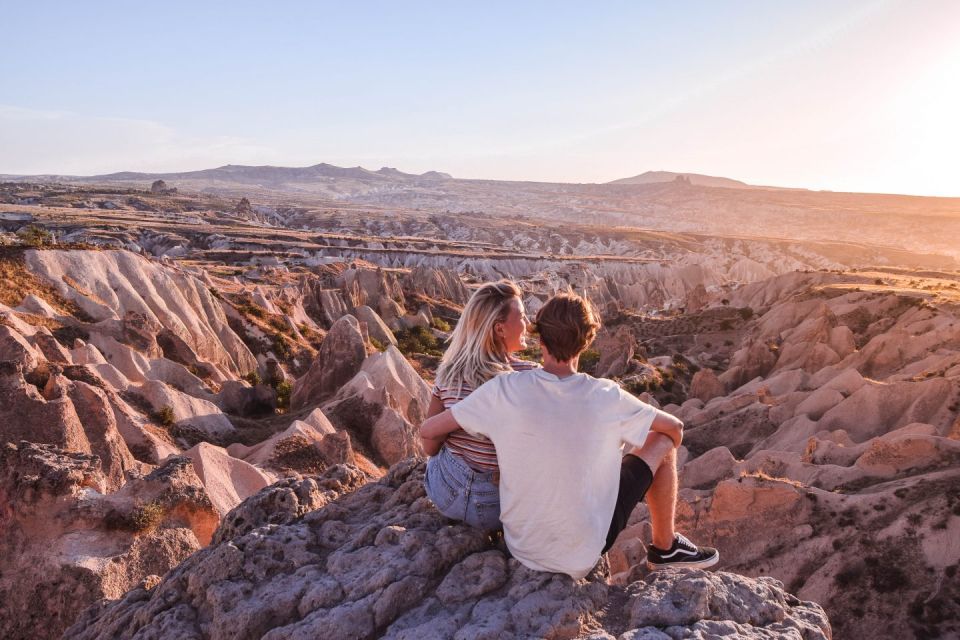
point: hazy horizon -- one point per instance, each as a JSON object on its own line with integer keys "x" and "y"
{"x": 856, "y": 96}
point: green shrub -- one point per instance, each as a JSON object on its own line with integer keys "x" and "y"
{"x": 281, "y": 347}
{"x": 418, "y": 340}
{"x": 164, "y": 417}
{"x": 35, "y": 236}
{"x": 284, "y": 389}
{"x": 441, "y": 325}
{"x": 147, "y": 516}
{"x": 589, "y": 360}
{"x": 253, "y": 378}
{"x": 379, "y": 346}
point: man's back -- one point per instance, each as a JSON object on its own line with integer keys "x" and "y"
{"x": 559, "y": 445}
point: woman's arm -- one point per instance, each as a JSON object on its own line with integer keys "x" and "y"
{"x": 436, "y": 406}
{"x": 434, "y": 431}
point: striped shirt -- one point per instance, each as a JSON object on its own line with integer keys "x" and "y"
{"x": 477, "y": 451}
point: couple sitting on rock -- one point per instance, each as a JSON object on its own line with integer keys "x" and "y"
{"x": 540, "y": 449}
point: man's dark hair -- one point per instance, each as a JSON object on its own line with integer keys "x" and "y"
{"x": 567, "y": 325}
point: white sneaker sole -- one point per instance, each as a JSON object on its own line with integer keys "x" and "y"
{"x": 702, "y": 564}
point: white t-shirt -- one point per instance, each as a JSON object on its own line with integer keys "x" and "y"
{"x": 559, "y": 443}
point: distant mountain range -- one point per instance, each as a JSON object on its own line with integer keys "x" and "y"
{"x": 271, "y": 175}
{"x": 653, "y": 177}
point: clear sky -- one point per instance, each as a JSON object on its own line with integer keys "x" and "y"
{"x": 846, "y": 95}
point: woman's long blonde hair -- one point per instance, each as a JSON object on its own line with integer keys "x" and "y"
{"x": 475, "y": 353}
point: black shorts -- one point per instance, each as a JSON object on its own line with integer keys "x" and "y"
{"x": 635, "y": 480}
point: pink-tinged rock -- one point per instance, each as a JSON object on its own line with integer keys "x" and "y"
{"x": 819, "y": 402}
{"x": 227, "y": 480}
{"x": 616, "y": 352}
{"x": 708, "y": 469}
{"x": 14, "y": 347}
{"x": 340, "y": 357}
{"x": 383, "y": 406}
{"x": 705, "y": 385}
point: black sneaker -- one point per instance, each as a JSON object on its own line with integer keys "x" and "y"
{"x": 682, "y": 553}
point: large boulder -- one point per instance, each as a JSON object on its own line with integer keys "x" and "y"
{"x": 705, "y": 385}
{"x": 381, "y": 562}
{"x": 616, "y": 352}
{"x": 67, "y": 545}
{"x": 340, "y": 357}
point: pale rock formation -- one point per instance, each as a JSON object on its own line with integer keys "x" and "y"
{"x": 705, "y": 385}
{"x": 241, "y": 399}
{"x": 340, "y": 357}
{"x": 190, "y": 414}
{"x": 616, "y": 352}
{"x": 376, "y": 328}
{"x": 819, "y": 402}
{"x": 755, "y": 358}
{"x": 876, "y": 408}
{"x": 137, "y": 368}
{"x": 303, "y": 448}
{"x": 439, "y": 284}
{"x": 382, "y": 407}
{"x": 708, "y": 469}
{"x": 697, "y": 299}
{"x": 381, "y": 562}
{"x": 14, "y": 347}
{"x": 109, "y": 284}
{"x": 49, "y": 347}
{"x": 228, "y": 480}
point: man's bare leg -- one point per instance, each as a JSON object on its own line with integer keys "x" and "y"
{"x": 661, "y": 456}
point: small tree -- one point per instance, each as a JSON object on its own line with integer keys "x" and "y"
{"x": 35, "y": 236}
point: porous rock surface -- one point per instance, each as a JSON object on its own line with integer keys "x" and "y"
{"x": 66, "y": 543}
{"x": 380, "y": 561}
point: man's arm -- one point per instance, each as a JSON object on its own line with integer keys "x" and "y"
{"x": 669, "y": 426}
{"x": 434, "y": 431}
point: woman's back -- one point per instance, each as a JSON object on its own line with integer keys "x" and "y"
{"x": 477, "y": 451}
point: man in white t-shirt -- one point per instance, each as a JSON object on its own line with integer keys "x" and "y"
{"x": 566, "y": 489}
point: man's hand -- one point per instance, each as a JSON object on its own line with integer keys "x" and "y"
{"x": 434, "y": 431}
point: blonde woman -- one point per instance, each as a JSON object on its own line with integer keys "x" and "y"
{"x": 462, "y": 474}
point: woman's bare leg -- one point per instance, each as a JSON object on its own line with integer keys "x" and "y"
{"x": 661, "y": 456}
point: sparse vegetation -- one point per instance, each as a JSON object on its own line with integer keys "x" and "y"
{"x": 589, "y": 360}
{"x": 143, "y": 518}
{"x": 35, "y": 236}
{"x": 283, "y": 389}
{"x": 164, "y": 417}
{"x": 418, "y": 340}
{"x": 281, "y": 346}
{"x": 253, "y": 378}
{"x": 441, "y": 325}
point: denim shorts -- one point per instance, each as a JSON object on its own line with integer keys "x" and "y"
{"x": 461, "y": 493}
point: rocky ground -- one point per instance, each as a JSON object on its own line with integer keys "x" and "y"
{"x": 210, "y": 414}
